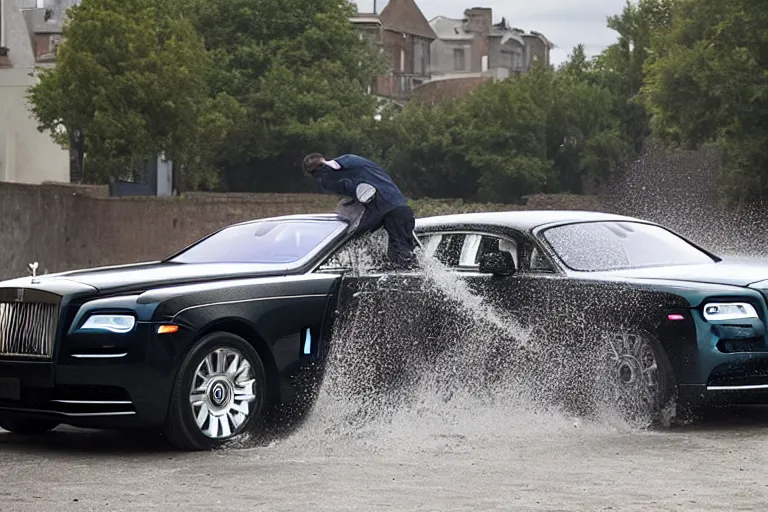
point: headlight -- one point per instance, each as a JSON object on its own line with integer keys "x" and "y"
{"x": 729, "y": 311}
{"x": 114, "y": 323}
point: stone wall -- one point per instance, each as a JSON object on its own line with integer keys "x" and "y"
{"x": 446, "y": 89}
{"x": 63, "y": 227}
{"x": 66, "y": 227}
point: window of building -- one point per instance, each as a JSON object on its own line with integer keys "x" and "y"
{"x": 418, "y": 57}
{"x": 458, "y": 59}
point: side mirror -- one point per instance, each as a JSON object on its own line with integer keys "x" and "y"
{"x": 497, "y": 263}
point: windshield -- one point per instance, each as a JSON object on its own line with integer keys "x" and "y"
{"x": 275, "y": 242}
{"x": 597, "y": 246}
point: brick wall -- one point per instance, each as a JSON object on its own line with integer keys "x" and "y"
{"x": 447, "y": 89}
{"x": 66, "y": 227}
{"x": 62, "y": 228}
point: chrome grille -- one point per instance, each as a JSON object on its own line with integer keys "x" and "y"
{"x": 28, "y": 329}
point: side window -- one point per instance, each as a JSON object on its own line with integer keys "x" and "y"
{"x": 464, "y": 251}
{"x": 492, "y": 244}
{"x": 445, "y": 247}
{"x": 534, "y": 260}
{"x": 470, "y": 251}
{"x": 430, "y": 243}
{"x": 358, "y": 255}
{"x": 476, "y": 246}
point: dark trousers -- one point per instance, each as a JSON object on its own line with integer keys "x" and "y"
{"x": 399, "y": 224}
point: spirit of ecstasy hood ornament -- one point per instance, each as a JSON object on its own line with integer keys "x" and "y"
{"x": 33, "y": 268}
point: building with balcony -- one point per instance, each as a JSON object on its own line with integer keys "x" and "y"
{"x": 404, "y": 36}
{"x": 472, "y": 50}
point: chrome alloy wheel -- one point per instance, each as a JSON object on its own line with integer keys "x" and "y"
{"x": 632, "y": 362}
{"x": 221, "y": 393}
{"x": 633, "y": 374}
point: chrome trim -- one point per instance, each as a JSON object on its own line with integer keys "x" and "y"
{"x": 159, "y": 294}
{"x": 43, "y": 411}
{"x": 28, "y": 329}
{"x": 750, "y": 312}
{"x": 122, "y": 413}
{"x": 100, "y": 402}
{"x": 242, "y": 301}
{"x": 737, "y": 388}
{"x": 99, "y": 356}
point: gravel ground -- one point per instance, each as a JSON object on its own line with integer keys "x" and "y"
{"x": 533, "y": 462}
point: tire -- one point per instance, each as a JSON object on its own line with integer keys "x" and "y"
{"x": 636, "y": 378}
{"x": 27, "y": 426}
{"x": 225, "y": 418}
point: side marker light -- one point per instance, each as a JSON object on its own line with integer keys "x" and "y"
{"x": 675, "y": 317}
{"x": 167, "y": 329}
{"x": 308, "y": 342}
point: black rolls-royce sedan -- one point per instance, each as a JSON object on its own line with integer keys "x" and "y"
{"x": 202, "y": 345}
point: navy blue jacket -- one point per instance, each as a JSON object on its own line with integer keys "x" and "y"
{"x": 356, "y": 170}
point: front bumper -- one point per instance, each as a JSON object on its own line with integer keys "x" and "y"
{"x": 125, "y": 386}
{"x": 99, "y": 395}
{"x": 719, "y": 362}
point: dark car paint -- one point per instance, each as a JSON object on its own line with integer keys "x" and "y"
{"x": 564, "y": 301}
{"x": 270, "y": 305}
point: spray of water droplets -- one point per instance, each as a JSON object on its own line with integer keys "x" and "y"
{"x": 449, "y": 399}
{"x": 424, "y": 364}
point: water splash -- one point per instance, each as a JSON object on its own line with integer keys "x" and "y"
{"x": 478, "y": 378}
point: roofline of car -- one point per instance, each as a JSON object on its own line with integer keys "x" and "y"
{"x": 534, "y": 231}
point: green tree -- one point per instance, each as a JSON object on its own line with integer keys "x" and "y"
{"x": 546, "y": 131}
{"x": 132, "y": 78}
{"x": 423, "y": 147}
{"x": 300, "y": 71}
{"x": 707, "y": 83}
{"x": 620, "y": 67}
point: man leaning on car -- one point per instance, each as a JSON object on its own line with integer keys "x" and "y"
{"x": 366, "y": 183}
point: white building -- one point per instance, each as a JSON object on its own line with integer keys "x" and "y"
{"x": 29, "y": 30}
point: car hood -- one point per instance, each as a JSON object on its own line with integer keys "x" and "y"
{"x": 732, "y": 273}
{"x": 141, "y": 276}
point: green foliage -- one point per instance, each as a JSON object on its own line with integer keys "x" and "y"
{"x": 299, "y": 70}
{"x": 708, "y": 84}
{"x": 133, "y": 79}
{"x": 239, "y": 90}
{"x": 229, "y": 89}
{"x": 547, "y": 130}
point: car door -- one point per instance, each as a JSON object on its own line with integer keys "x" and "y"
{"x": 383, "y": 323}
{"x": 518, "y": 296}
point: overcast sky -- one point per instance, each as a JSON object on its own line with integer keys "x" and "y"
{"x": 564, "y": 22}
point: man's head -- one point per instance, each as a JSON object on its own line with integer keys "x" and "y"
{"x": 312, "y": 162}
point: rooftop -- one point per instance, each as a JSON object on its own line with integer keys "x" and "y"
{"x": 16, "y": 35}
{"x": 452, "y": 29}
{"x": 405, "y": 16}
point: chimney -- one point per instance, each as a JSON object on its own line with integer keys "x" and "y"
{"x": 479, "y": 20}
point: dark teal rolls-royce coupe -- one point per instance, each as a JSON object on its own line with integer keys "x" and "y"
{"x": 204, "y": 344}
